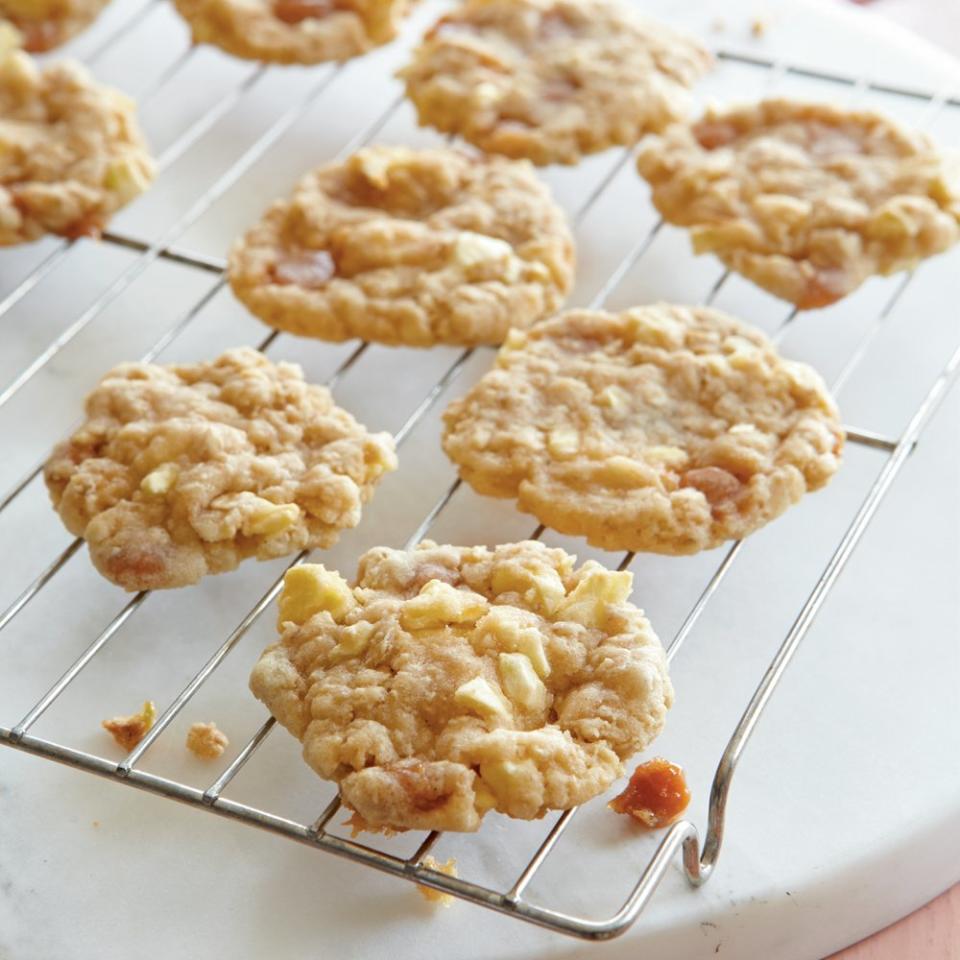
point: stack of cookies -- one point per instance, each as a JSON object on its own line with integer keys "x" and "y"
{"x": 449, "y": 681}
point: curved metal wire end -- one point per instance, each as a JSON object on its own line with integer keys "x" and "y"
{"x": 682, "y": 834}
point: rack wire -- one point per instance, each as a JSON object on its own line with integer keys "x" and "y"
{"x": 698, "y": 859}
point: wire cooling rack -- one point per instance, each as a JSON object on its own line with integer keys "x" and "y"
{"x": 698, "y": 857}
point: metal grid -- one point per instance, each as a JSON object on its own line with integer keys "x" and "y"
{"x": 699, "y": 859}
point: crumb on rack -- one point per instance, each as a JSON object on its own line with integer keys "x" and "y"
{"x": 358, "y": 825}
{"x": 758, "y": 26}
{"x": 204, "y": 740}
{"x": 655, "y": 796}
{"x": 129, "y": 731}
{"x": 437, "y": 896}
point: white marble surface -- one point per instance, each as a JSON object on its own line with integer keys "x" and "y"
{"x": 844, "y": 812}
{"x": 937, "y": 21}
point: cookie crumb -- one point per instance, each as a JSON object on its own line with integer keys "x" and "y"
{"x": 436, "y": 896}
{"x": 758, "y": 27}
{"x": 129, "y": 731}
{"x": 96, "y": 824}
{"x": 718, "y": 25}
{"x": 204, "y": 740}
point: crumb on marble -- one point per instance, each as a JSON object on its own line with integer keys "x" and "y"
{"x": 129, "y": 731}
{"x": 206, "y": 741}
{"x": 437, "y": 896}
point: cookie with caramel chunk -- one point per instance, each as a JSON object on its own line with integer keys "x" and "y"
{"x": 294, "y": 31}
{"x": 662, "y": 428}
{"x": 71, "y": 153}
{"x": 806, "y": 200}
{"x": 408, "y": 247}
{"x": 551, "y": 80}
{"x": 185, "y": 470}
{"x": 45, "y": 24}
{"x": 452, "y": 681}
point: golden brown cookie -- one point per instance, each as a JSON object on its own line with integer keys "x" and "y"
{"x": 805, "y": 199}
{"x": 70, "y": 151}
{"x": 184, "y": 470}
{"x": 551, "y": 80}
{"x": 412, "y": 247}
{"x": 450, "y": 681}
{"x": 45, "y": 24}
{"x": 294, "y": 31}
{"x": 662, "y": 428}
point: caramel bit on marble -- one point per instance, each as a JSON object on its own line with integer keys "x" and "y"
{"x": 129, "y": 731}
{"x": 206, "y": 741}
{"x": 436, "y": 896}
{"x": 655, "y": 796}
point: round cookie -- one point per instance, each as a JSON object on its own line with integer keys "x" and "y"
{"x": 451, "y": 681}
{"x": 45, "y": 24}
{"x": 408, "y": 247}
{"x": 293, "y": 31}
{"x": 662, "y": 428}
{"x": 70, "y": 151}
{"x": 551, "y": 80}
{"x": 805, "y": 199}
{"x": 184, "y": 470}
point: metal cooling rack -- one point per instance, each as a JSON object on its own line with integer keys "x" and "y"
{"x": 698, "y": 858}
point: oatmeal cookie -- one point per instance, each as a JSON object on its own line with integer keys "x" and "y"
{"x": 184, "y": 470}
{"x": 412, "y": 247}
{"x": 551, "y": 80}
{"x": 70, "y": 151}
{"x": 455, "y": 680}
{"x": 294, "y": 31}
{"x": 805, "y": 199}
{"x": 662, "y": 428}
{"x": 45, "y": 24}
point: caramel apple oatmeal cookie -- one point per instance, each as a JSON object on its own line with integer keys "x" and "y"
{"x": 45, "y": 24}
{"x": 184, "y": 470}
{"x": 293, "y": 31}
{"x": 551, "y": 80}
{"x": 451, "y": 681}
{"x": 70, "y": 151}
{"x": 408, "y": 247}
{"x": 805, "y": 199}
{"x": 663, "y": 428}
